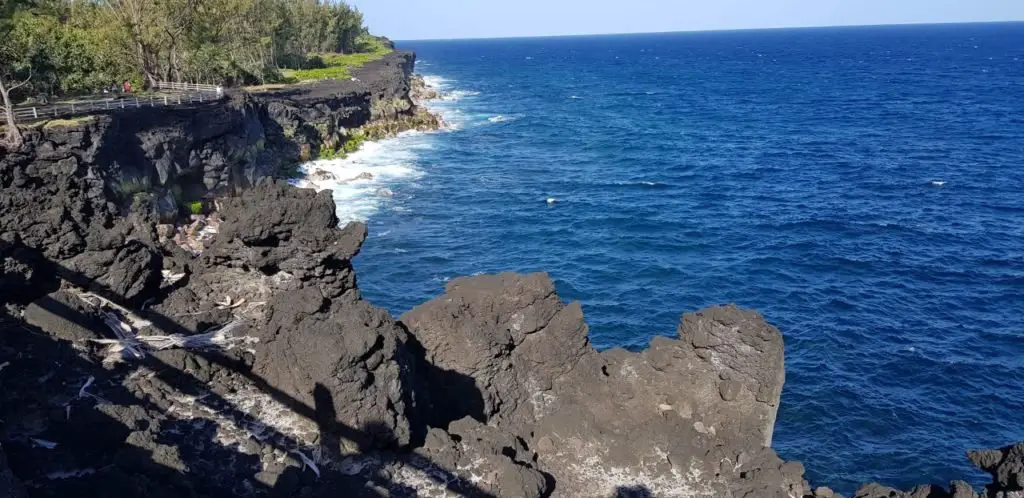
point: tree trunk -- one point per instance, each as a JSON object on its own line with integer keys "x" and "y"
{"x": 146, "y": 61}
{"x": 14, "y": 138}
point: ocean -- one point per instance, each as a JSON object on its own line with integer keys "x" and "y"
{"x": 863, "y": 188}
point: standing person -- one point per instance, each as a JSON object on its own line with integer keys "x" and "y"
{"x": 126, "y": 86}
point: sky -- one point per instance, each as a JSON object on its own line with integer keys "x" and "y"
{"x": 447, "y": 19}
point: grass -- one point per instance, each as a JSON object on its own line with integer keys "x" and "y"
{"x": 64, "y": 123}
{"x": 267, "y": 88}
{"x": 195, "y": 207}
{"x": 337, "y": 66}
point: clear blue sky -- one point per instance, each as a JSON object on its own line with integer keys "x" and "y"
{"x": 430, "y": 19}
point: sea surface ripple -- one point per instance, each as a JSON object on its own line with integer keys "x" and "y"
{"x": 863, "y": 188}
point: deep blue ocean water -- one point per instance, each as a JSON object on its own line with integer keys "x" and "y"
{"x": 863, "y": 188}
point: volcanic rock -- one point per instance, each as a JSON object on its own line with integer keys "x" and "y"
{"x": 505, "y": 350}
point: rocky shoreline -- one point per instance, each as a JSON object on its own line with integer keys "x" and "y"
{"x": 136, "y": 365}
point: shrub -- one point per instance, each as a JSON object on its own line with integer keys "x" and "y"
{"x": 353, "y": 144}
{"x": 130, "y": 187}
{"x": 333, "y": 66}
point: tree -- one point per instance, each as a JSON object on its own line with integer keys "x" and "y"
{"x": 141, "y": 21}
{"x": 15, "y": 66}
{"x": 79, "y": 46}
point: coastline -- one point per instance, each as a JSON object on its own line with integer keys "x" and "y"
{"x": 362, "y": 179}
{"x": 491, "y": 379}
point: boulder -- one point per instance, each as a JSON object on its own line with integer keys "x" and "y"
{"x": 686, "y": 417}
{"x": 130, "y": 273}
{"x": 493, "y": 344}
{"x": 275, "y": 228}
{"x": 65, "y": 316}
{"x": 1006, "y": 465}
{"x": 350, "y": 364}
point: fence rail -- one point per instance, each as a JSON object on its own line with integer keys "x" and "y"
{"x": 25, "y": 114}
{"x": 187, "y": 87}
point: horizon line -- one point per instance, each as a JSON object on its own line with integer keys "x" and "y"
{"x": 714, "y": 30}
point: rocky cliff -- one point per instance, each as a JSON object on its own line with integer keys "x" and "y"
{"x": 134, "y": 365}
{"x": 169, "y": 157}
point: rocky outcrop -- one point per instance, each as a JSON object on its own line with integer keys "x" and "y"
{"x": 1006, "y": 465}
{"x": 420, "y": 91}
{"x": 321, "y": 118}
{"x": 686, "y": 417}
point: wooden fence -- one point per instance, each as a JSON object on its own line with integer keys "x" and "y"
{"x": 188, "y": 87}
{"x": 180, "y": 94}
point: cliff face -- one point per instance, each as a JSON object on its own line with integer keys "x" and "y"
{"x": 130, "y": 366}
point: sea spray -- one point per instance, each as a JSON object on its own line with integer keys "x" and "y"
{"x": 372, "y": 177}
{"x": 356, "y": 180}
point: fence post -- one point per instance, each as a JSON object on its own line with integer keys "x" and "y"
{"x": 136, "y": 102}
{"x": 35, "y": 115}
{"x": 200, "y": 96}
{"x": 72, "y": 108}
{"x": 165, "y": 100}
{"x": 106, "y": 104}
{"x": 179, "y": 99}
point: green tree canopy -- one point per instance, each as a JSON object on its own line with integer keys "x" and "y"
{"x": 78, "y": 46}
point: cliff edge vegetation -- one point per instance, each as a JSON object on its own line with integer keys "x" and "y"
{"x": 52, "y": 49}
{"x": 323, "y": 66}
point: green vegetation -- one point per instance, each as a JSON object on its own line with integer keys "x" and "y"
{"x": 334, "y": 66}
{"x": 66, "y": 123}
{"x": 195, "y": 207}
{"x": 352, "y": 144}
{"x": 327, "y": 153}
{"x": 77, "y": 46}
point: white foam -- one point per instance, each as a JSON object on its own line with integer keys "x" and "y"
{"x": 432, "y": 80}
{"x": 364, "y": 181}
{"x": 454, "y": 119}
{"x": 575, "y": 97}
{"x": 500, "y": 119}
{"x": 938, "y": 183}
{"x": 637, "y": 183}
{"x": 458, "y": 95}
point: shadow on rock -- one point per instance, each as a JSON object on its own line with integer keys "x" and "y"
{"x": 177, "y": 423}
{"x": 633, "y": 492}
